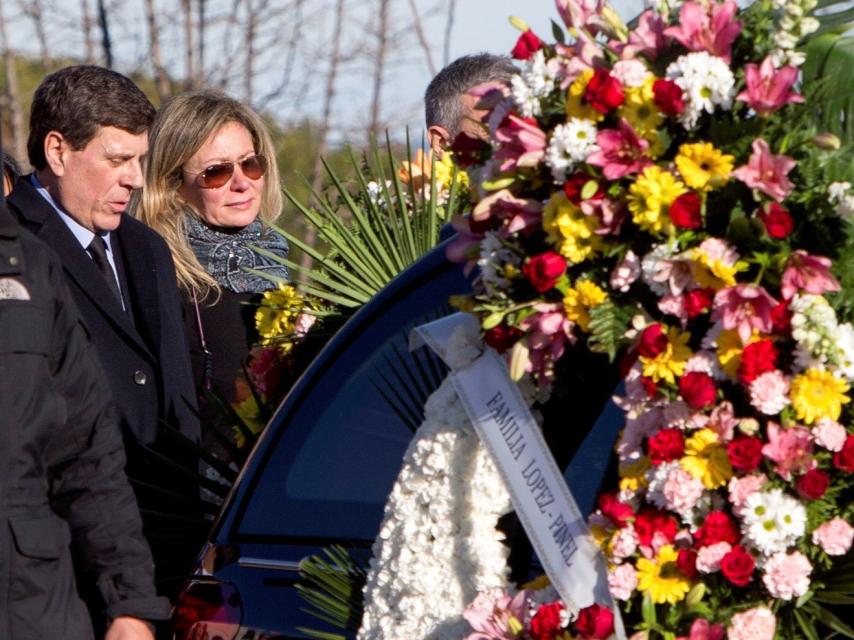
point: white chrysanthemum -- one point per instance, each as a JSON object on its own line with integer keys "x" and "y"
{"x": 653, "y": 264}
{"x": 773, "y": 521}
{"x": 570, "y": 144}
{"x": 707, "y": 81}
{"x": 494, "y": 257}
{"x": 535, "y": 82}
{"x": 842, "y": 197}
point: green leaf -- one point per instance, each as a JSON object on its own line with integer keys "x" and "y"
{"x": 648, "y": 611}
{"x": 557, "y": 33}
{"x": 608, "y": 325}
{"x": 806, "y": 625}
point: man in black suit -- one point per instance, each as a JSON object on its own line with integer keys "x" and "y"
{"x": 88, "y": 134}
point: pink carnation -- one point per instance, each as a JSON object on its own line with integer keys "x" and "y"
{"x": 709, "y": 557}
{"x": 754, "y": 624}
{"x": 681, "y": 490}
{"x": 829, "y": 434}
{"x": 622, "y": 581}
{"x": 834, "y": 537}
{"x": 624, "y": 543}
{"x": 740, "y": 489}
{"x": 787, "y": 575}
{"x": 769, "y": 393}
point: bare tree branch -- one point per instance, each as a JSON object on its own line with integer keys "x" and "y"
{"x": 11, "y": 95}
{"x": 293, "y": 45}
{"x": 189, "y": 52}
{"x": 34, "y": 10}
{"x": 202, "y": 23}
{"x": 161, "y": 79}
{"x": 449, "y": 26}
{"x": 379, "y": 66}
{"x": 87, "y": 25}
{"x": 422, "y": 38}
{"x": 106, "y": 41}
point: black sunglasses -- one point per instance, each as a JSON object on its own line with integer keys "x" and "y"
{"x": 216, "y": 175}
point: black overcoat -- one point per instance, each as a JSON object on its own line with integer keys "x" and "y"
{"x": 63, "y": 492}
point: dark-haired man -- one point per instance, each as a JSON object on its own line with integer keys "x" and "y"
{"x": 451, "y": 98}
{"x": 88, "y": 134}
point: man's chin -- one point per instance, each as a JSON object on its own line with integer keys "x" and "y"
{"x": 108, "y": 221}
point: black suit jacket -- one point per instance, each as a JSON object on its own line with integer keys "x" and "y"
{"x": 144, "y": 351}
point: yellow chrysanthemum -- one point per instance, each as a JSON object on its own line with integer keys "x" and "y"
{"x": 573, "y": 233}
{"x": 276, "y": 315}
{"x": 576, "y": 107}
{"x": 250, "y": 413}
{"x": 671, "y": 362}
{"x": 633, "y": 474}
{"x": 538, "y": 584}
{"x": 706, "y": 459}
{"x": 640, "y": 111}
{"x": 661, "y": 577}
{"x": 650, "y": 198}
{"x": 713, "y": 273}
{"x": 579, "y": 300}
{"x": 702, "y": 166}
{"x": 729, "y": 352}
{"x": 818, "y": 394}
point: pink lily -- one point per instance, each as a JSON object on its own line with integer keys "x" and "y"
{"x": 769, "y": 88}
{"x": 465, "y": 247}
{"x": 790, "y": 449}
{"x": 491, "y": 613}
{"x": 621, "y": 152}
{"x": 611, "y": 214}
{"x": 523, "y": 143}
{"x": 647, "y": 39}
{"x": 581, "y": 15}
{"x": 766, "y": 171}
{"x": 711, "y": 28}
{"x": 516, "y": 214}
{"x": 702, "y": 629}
{"x": 807, "y": 273}
{"x": 548, "y": 331}
{"x": 744, "y": 307}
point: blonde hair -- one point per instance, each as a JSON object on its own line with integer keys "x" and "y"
{"x": 180, "y": 128}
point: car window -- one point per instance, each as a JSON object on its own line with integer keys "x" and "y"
{"x": 336, "y": 458}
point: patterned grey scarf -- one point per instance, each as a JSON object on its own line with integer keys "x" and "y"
{"x": 225, "y": 255}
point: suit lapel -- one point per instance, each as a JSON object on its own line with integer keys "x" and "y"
{"x": 39, "y": 217}
{"x": 140, "y": 267}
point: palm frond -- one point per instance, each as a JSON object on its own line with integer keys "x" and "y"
{"x": 830, "y": 61}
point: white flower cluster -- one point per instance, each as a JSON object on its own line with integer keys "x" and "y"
{"x": 707, "y": 81}
{"x": 570, "y": 143}
{"x": 823, "y": 343}
{"x": 494, "y": 257}
{"x": 842, "y": 197}
{"x": 438, "y": 546}
{"x": 773, "y": 521}
{"x": 794, "y": 25}
{"x": 535, "y": 82}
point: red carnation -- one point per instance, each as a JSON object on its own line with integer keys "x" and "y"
{"x": 668, "y": 97}
{"x": 717, "y": 527}
{"x": 745, "y": 452}
{"x": 649, "y": 386}
{"x": 595, "y": 621}
{"x": 686, "y": 561}
{"x": 617, "y": 512}
{"x": 686, "y": 211}
{"x": 844, "y": 459}
{"x": 698, "y": 301}
{"x": 502, "y": 337}
{"x": 545, "y": 625}
{"x": 666, "y": 445}
{"x": 737, "y": 566}
{"x": 697, "y": 389}
{"x": 653, "y": 341}
{"x": 651, "y": 521}
{"x": 777, "y": 220}
{"x": 781, "y": 319}
{"x": 813, "y": 484}
{"x": 526, "y": 46}
{"x": 604, "y": 92}
{"x": 543, "y": 270}
{"x": 757, "y": 358}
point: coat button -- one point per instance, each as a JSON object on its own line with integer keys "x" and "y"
{"x": 13, "y": 260}
{"x": 139, "y": 377}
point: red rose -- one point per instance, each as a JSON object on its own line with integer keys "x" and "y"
{"x": 653, "y": 341}
{"x": 686, "y": 561}
{"x": 697, "y": 389}
{"x": 844, "y": 459}
{"x": 697, "y": 301}
{"x": 595, "y": 621}
{"x": 651, "y": 521}
{"x": 666, "y": 445}
{"x": 604, "y": 92}
{"x": 781, "y": 319}
{"x": 468, "y": 150}
{"x": 757, "y": 358}
{"x": 668, "y": 97}
{"x": 777, "y": 220}
{"x": 717, "y": 527}
{"x": 502, "y": 337}
{"x": 544, "y": 270}
{"x": 813, "y": 484}
{"x": 737, "y": 566}
{"x": 526, "y": 46}
{"x": 545, "y": 625}
{"x": 745, "y": 452}
{"x": 617, "y": 512}
{"x": 686, "y": 211}
{"x": 649, "y": 386}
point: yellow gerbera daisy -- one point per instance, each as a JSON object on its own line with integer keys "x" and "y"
{"x": 579, "y": 300}
{"x": 576, "y": 107}
{"x": 276, "y": 315}
{"x": 729, "y": 352}
{"x": 650, "y": 198}
{"x": 661, "y": 577}
{"x": 818, "y": 394}
{"x": 633, "y": 474}
{"x": 570, "y": 230}
{"x": 702, "y": 166}
{"x": 670, "y": 362}
{"x": 706, "y": 459}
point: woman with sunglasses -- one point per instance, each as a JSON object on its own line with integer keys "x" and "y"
{"x": 210, "y": 181}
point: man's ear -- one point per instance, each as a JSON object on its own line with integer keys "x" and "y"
{"x": 439, "y": 138}
{"x": 56, "y": 152}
